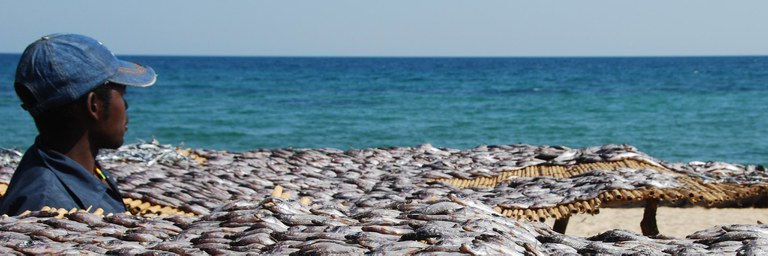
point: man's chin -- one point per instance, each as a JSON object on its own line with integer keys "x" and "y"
{"x": 114, "y": 145}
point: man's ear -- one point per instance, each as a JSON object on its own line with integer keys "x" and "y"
{"x": 93, "y": 106}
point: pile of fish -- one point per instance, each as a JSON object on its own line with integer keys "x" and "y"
{"x": 9, "y": 159}
{"x": 399, "y": 200}
{"x": 274, "y": 226}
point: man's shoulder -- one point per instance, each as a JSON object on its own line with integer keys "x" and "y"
{"x": 36, "y": 173}
{"x": 38, "y": 165}
{"x": 36, "y": 179}
{"x": 32, "y": 188}
{"x": 33, "y": 178}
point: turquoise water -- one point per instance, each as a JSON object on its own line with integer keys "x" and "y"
{"x": 676, "y": 109}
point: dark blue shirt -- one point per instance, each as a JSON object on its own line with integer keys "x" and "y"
{"x": 48, "y": 178}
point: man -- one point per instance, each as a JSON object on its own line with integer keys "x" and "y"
{"x": 73, "y": 88}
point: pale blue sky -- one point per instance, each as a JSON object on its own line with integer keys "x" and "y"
{"x": 398, "y": 27}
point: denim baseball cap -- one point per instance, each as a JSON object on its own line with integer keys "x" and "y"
{"x": 60, "y": 68}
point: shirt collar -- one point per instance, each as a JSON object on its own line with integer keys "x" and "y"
{"x": 79, "y": 181}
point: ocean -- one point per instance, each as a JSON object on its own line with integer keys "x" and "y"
{"x": 673, "y": 108}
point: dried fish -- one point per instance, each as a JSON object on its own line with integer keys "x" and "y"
{"x": 387, "y": 201}
{"x": 37, "y": 247}
{"x": 259, "y": 238}
{"x": 67, "y": 224}
{"x": 330, "y": 248}
{"x": 618, "y": 235}
{"x": 400, "y": 248}
{"x": 22, "y": 227}
{"x": 86, "y": 218}
{"x": 372, "y": 240}
{"x": 440, "y": 208}
{"x": 140, "y": 237}
{"x": 389, "y": 230}
{"x": 57, "y": 235}
{"x": 302, "y": 219}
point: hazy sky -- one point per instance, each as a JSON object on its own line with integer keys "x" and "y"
{"x": 398, "y": 27}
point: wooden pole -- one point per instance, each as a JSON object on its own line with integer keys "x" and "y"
{"x": 648, "y": 224}
{"x": 561, "y": 224}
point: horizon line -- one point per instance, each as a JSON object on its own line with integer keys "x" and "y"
{"x": 431, "y": 56}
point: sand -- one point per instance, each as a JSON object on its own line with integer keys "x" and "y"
{"x": 677, "y": 222}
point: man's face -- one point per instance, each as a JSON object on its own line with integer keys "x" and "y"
{"x": 114, "y": 123}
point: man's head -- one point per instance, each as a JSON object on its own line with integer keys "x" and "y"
{"x": 69, "y": 81}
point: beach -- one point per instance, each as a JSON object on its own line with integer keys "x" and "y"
{"x": 672, "y": 221}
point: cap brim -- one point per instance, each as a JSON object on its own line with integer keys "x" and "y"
{"x": 135, "y": 75}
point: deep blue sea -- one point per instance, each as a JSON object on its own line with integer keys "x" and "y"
{"x": 673, "y": 108}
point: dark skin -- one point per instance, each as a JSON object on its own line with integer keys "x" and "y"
{"x": 97, "y": 126}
